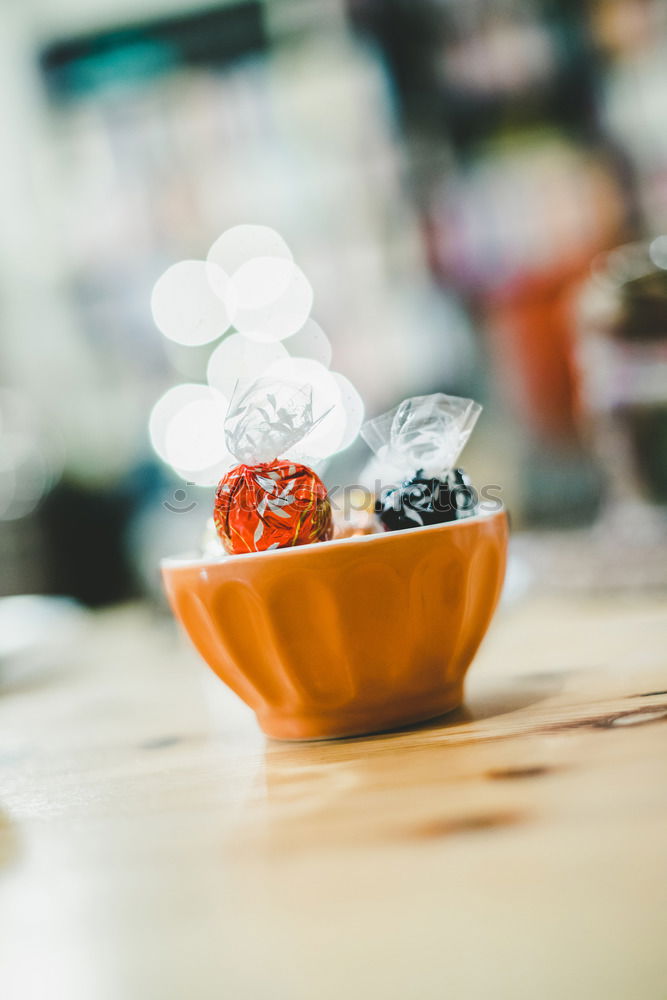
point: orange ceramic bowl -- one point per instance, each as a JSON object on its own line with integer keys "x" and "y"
{"x": 346, "y": 637}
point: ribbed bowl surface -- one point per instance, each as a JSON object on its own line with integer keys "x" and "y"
{"x": 349, "y": 637}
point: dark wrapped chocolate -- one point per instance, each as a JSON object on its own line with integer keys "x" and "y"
{"x": 422, "y": 438}
{"x": 427, "y": 501}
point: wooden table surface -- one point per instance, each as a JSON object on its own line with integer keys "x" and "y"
{"x": 154, "y": 845}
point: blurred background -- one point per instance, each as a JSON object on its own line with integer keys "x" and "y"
{"x": 450, "y": 174}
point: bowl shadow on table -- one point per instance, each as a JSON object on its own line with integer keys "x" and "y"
{"x": 334, "y": 791}
{"x": 485, "y": 700}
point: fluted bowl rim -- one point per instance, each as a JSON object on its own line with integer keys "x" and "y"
{"x": 194, "y": 561}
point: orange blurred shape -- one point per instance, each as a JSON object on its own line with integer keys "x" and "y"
{"x": 531, "y": 324}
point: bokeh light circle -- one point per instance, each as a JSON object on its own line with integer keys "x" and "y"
{"x": 310, "y": 342}
{"x": 188, "y": 303}
{"x": 326, "y": 436}
{"x": 277, "y": 319}
{"x": 195, "y": 435}
{"x": 241, "y": 244}
{"x": 239, "y": 358}
{"x": 259, "y": 283}
{"x": 353, "y": 405}
{"x": 173, "y": 402}
{"x": 249, "y": 280}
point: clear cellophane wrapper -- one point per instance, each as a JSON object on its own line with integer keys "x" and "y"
{"x": 419, "y": 442}
{"x": 424, "y": 434}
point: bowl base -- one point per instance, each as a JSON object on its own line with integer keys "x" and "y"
{"x": 348, "y": 721}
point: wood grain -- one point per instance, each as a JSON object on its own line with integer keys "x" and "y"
{"x": 154, "y": 845}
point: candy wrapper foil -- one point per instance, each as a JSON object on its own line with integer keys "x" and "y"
{"x": 420, "y": 440}
{"x": 271, "y": 505}
{"x": 422, "y": 501}
{"x": 268, "y": 502}
{"x": 267, "y": 418}
{"x": 424, "y": 434}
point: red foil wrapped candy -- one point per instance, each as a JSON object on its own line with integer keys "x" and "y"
{"x": 267, "y": 502}
{"x": 271, "y": 505}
